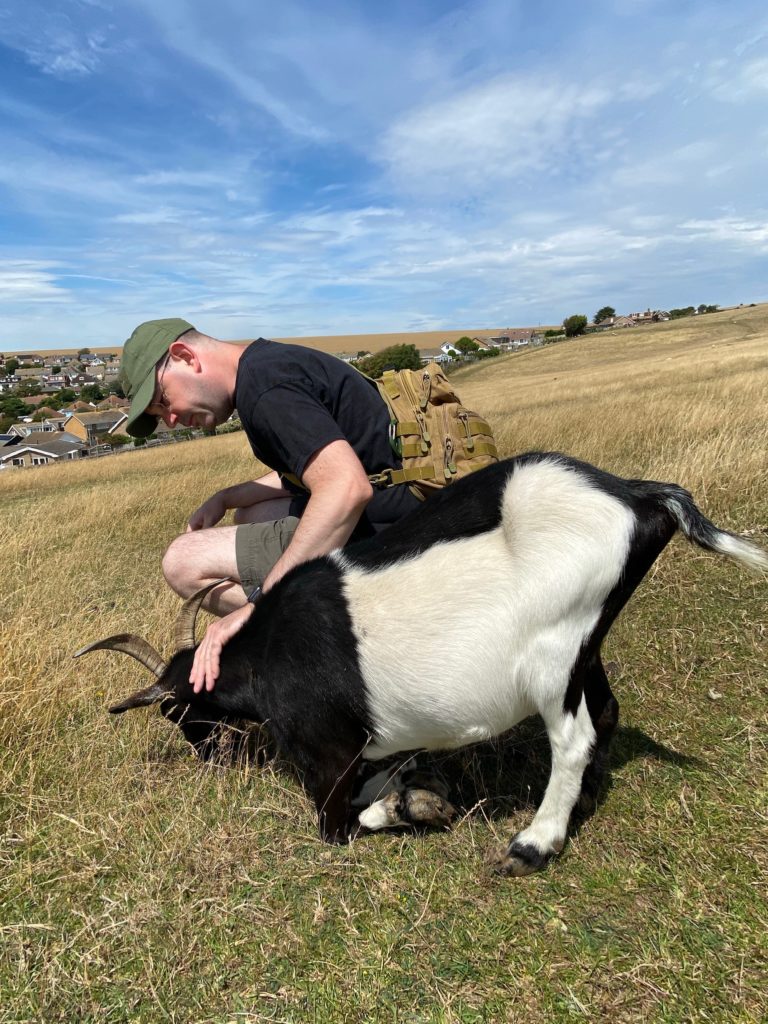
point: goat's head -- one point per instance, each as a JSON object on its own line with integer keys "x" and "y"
{"x": 199, "y": 718}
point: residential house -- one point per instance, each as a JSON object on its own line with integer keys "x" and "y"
{"x": 79, "y": 380}
{"x": 54, "y": 381}
{"x": 434, "y": 355}
{"x": 614, "y": 321}
{"x": 114, "y": 402}
{"x": 88, "y": 426}
{"x": 349, "y": 357}
{"x": 163, "y": 431}
{"x": 9, "y": 382}
{"x": 41, "y": 451}
{"x": 649, "y": 317}
{"x": 35, "y": 401}
{"x": 77, "y": 406}
{"x": 26, "y": 427}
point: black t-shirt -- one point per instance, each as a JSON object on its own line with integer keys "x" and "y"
{"x": 293, "y": 401}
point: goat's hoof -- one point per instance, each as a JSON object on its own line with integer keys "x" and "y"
{"x": 384, "y": 813}
{"x": 517, "y": 859}
{"x": 424, "y": 807}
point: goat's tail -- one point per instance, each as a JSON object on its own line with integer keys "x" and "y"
{"x": 700, "y": 530}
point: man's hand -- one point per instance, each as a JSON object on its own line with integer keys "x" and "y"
{"x": 209, "y": 513}
{"x": 205, "y": 668}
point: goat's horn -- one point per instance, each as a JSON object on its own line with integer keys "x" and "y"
{"x": 185, "y": 623}
{"x": 142, "y": 698}
{"x": 128, "y": 643}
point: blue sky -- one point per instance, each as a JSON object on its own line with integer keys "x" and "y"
{"x": 300, "y": 168}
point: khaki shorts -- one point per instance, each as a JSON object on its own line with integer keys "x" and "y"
{"x": 259, "y": 545}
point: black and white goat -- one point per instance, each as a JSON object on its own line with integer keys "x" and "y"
{"x": 487, "y": 604}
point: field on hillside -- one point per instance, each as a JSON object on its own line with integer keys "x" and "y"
{"x": 139, "y": 885}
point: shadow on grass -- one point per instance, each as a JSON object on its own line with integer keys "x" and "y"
{"x": 498, "y": 779}
{"x": 510, "y": 774}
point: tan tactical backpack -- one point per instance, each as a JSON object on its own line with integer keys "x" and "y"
{"x": 438, "y": 439}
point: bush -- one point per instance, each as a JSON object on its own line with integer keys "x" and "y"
{"x": 574, "y": 325}
{"x": 396, "y": 357}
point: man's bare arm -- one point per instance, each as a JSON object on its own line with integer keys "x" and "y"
{"x": 237, "y": 496}
{"x": 339, "y": 492}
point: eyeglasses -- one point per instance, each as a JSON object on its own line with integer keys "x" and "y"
{"x": 162, "y": 402}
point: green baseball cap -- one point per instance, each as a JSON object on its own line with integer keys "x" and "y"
{"x": 141, "y": 354}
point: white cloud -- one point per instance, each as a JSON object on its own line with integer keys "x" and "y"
{"x": 748, "y": 234}
{"x": 28, "y": 281}
{"x": 499, "y": 129}
{"x": 186, "y": 179}
{"x": 161, "y": 215}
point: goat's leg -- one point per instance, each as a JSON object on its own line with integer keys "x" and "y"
{"x": 331, "y": 783}
{"x": 571, "y": 738}
{"x": 604, "y": 712}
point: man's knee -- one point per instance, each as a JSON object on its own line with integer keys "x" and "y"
{"x": 177, "y": 565}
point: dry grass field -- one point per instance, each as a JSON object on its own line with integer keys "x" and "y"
{"x": 139, "y": 885}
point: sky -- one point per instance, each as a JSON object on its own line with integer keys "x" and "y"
{"x": 299, "y": 168}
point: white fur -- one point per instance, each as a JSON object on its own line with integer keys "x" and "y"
{"x": 466, "y": 639}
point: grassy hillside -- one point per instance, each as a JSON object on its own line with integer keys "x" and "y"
{"x": 138, "y": 885}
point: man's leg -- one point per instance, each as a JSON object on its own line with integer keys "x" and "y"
{"x": 245, "y": 553}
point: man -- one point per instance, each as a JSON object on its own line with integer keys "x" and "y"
{"x": 307, "y": 415}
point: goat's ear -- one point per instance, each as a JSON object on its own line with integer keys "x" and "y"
{"x": 142, "y": 698}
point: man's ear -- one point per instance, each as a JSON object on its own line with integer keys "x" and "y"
{"x": 180, "y": 350}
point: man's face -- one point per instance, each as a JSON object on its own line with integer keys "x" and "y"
{"x": 188, "y": 395}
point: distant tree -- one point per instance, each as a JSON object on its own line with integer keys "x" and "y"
{"x": 488, "y": 353}
{"x": 466, "y": 346}
{"x": 118, "y": 440}
{"x": 83, "y": 352}
{"x": 27, "y": 388}
{"x": 707, "y": 309}
{"x": 65, "y": 396}
{"x": 92, "y": 393}
{"x": 604, "y": 314}
{"x": 574, "y": 325}
{"x": 556, "y": 332}
{"x": 55, "y": 369}
{"x": 13, "y": 407}
{"x": 396, "y": 357}
{"x": 676, "y": 314}
{"x": 116, "y": 388}
{"x": 11, "y": 366}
